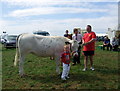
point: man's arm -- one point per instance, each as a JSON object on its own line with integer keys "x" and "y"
{"x": 92, "y": 40}
{"x": 104, "y": 43}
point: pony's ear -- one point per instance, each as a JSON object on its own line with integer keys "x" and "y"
{"x": 75, "y": 41}
{"x": 71, "y": 41}
{"x": 67, "y": 42}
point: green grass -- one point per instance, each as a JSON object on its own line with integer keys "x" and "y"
{"x": 40, "y": 73}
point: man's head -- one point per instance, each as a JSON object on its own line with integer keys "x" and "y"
{"x": 106, "y": 37}
{"x": 89, "y": 28}
{"x": 75, "y": 30}
{"x": 66, "y": 31}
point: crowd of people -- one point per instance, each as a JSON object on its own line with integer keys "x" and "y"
{"x": 86, "y": 44}
{"x": 111, "y": 46}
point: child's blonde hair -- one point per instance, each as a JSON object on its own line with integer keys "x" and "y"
{"x": 67, "y": 47}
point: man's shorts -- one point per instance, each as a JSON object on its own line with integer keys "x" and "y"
{"x": 88, "y": 53}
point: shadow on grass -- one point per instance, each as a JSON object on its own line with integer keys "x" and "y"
{"x": 53, "y": 78}
{"x": 106, "y": 70}
{"x": 84, "y": 77}
{"x": 7, "y": 49}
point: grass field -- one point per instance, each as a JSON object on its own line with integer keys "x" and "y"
{"x": 40, "y": 73}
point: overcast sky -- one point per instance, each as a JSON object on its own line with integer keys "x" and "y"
{"x": 55, "y": 16}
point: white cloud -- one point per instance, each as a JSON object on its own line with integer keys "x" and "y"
{"x": 58, "y": 27}
{"x": 40, "y": 7}
{"x": 39, "y": 2}
{"x": 51, "y": 2}
{"x": 52, "y": 10}
{"x": 45, "y": 1}
{"x": 113, "y": 10}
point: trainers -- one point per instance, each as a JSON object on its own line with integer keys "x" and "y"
{"x": 63, "y": 79}
{"x": 67, "y": 77}
{"x": 74, "y": 64}
{"x": 84, "y": 69}
{"x": 92, "y": 69}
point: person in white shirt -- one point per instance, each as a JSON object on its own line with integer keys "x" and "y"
{"x": 77, "y": 36}
{"x": 115, "y": 43}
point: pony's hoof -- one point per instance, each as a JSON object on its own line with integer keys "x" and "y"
{"x": 23, "y": 75}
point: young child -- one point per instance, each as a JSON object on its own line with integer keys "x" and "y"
{"x": 65, "y": 59}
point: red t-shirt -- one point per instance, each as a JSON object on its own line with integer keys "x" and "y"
{"x": 65, "y": 58}
{"x": 87, "y": 37}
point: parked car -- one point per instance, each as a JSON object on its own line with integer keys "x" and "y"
{"x": 2, "y": 38}
{"x": 10, "y": 41}
{"x": 44, "y": 33}
{"x": 100, "y": 38}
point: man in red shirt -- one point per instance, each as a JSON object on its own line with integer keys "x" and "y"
{"x": 88, "y": 47}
